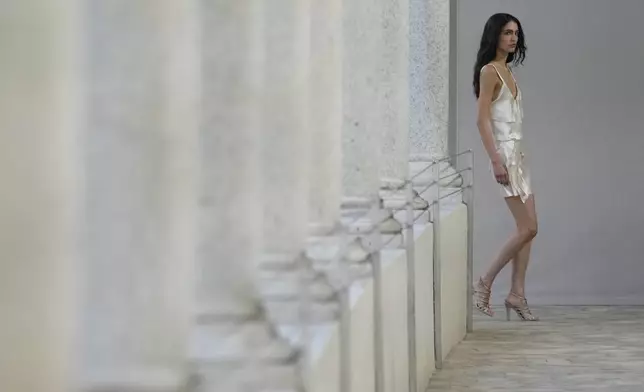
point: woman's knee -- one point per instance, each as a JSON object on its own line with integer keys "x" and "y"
{"x": 528, "y": 231}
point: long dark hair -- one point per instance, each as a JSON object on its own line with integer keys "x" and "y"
{"x": 490, "y": 42}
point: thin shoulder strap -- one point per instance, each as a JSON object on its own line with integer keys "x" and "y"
{"x": 495, "y": 69}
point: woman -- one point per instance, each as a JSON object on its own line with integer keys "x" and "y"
{"x": 500, "y": 114}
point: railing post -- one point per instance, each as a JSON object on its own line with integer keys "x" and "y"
{"x": 436, "y": 260}
{"x": 411, "y": 288}
{"x": 378, "y": 325}
{"x": 469, "y": 201}
{"x": 345, "y": 339}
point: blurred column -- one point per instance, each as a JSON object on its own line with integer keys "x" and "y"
{"x": 40, "y": 122}
{"x": 141, "y": 167}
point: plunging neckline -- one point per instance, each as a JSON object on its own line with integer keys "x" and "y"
{"x": 515, "y": 96}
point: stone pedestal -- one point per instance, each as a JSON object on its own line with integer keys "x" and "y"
{"x": 141, "y": 168}
{"x": 41, "y": 115}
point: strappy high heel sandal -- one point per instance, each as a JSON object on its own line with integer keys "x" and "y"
{"x": 482, "y": 302}
{"x": 522, "y": 310}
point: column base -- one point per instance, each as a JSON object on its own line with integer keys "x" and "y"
{"x": 394, "y": 196}
{"x": 324, "y": 251}
{"x": 129, "y": 380}
{"x": 219, "y": 310}
{"x": 235, "y": 343}
{"x": 389, "y": 225}
{"x": 342, "y": 264}
{"x": 273, "y": 377}
{"x": 236, "y": 357}
{"x": 359, "y": 217}
{"x": 298, "y": 294}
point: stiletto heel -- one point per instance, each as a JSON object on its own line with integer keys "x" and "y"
{"x": 482, "y": 303}
{"x": 522, "y": 310}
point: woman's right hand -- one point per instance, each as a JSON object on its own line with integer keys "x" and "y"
{"x": 500, "y": 172}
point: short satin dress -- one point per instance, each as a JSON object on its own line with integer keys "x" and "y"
{"x": 506, "y": 116}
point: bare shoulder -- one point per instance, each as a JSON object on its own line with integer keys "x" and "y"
{"x": 489, "y": 81}
{"x": 488, "y": 74}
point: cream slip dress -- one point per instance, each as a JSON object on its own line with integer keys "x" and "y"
{"x": 507, "y": 115}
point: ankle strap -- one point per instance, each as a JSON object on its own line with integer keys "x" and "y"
{"x": 518, "y": 296}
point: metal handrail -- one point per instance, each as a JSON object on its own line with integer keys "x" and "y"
{"x": 459, "y": 190}
{"x": 456, "y": 173}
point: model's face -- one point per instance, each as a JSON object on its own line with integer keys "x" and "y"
{"x": 509, "y": 37}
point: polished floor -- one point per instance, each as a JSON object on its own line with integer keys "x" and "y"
{"x": 571, "y": 349}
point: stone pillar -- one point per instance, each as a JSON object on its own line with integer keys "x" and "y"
{"x": 231, "y": 196}
{"x": 429, "y": 95}
{"x": 285, "y": 136}
{"x": 361, "y": 139}
{"x": 286, "y": 145}
{"x": 234, "y": 338}
{"x": 362, "y": 135}
{"x": 40, "y": 122}
{"x": 141, "y": 166}
{"x": 325, "y": 109}
{"x": 393, "y": 91}
{"x": 393, "y": 108}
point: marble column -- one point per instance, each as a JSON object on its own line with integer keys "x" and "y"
{"x": 362, "y": 135}
{"x": 393, "y": 108}
{"x": 40, "y": 122}
{"x": 393, "y": 91}
{"x": 286, "y": 170}
{"x": 141, "y": 167}
{"x": 361, "y": 139}
{"x": 231, "y": 195}
{"x": 325, "y": 123}
{"x": 233, "y": 332}
{"x": 429, "y": 95}
{"x": 285, "y": 135}
{"x": 325, "y": 109}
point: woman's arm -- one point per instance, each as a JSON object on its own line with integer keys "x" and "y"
{"x": 489, "y": 79}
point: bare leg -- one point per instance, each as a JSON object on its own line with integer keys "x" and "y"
{"x": 516, "y": 297}
{"x": 519, "y": 268}
{"x": 526, "y": 231}
{"x": 520, "y": 262}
